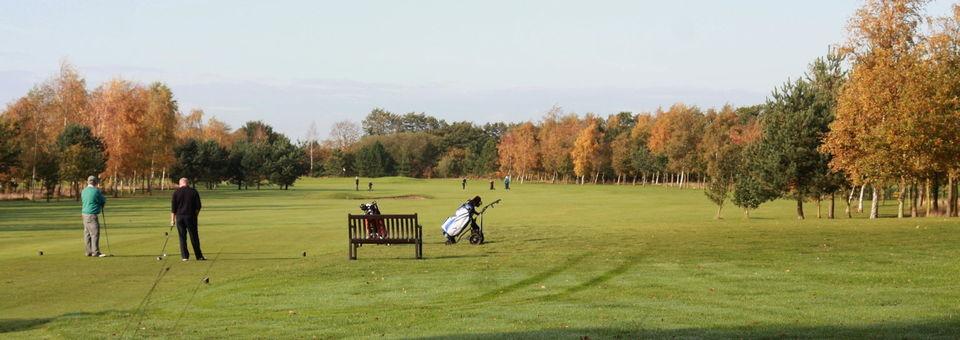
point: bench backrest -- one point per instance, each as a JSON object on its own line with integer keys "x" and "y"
{"x": 399, "y": 227}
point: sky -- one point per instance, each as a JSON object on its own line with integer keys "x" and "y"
{"x": 291, "y": 63}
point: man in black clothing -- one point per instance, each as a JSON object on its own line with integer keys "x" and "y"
{"x": 184, "y": 210}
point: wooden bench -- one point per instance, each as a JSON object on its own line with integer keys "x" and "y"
{"x": 401, "y": 229}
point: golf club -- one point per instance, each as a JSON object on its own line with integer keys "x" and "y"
{"x": 163, "y": 250}
{"x": 105, "y": 236}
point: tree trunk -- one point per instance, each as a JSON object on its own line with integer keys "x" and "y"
{"x": 921, "y": 192}
{"x": 929, "y": 198}
{"x": 935, "y": 194}
{"x": 901, "y": 190}
{"x": 799, "y": 207}
{"x": 849, "y": 198}
{"x": 875, "y": 203}
{"x": 719, "y": 210}
{"x": 683, "y": 178}
{"x": 746, "y": 212}
{"x": 819, "y": 200}
{"x": 914, "y": 193}
{"x": 860, "y": 204}
{"x": 833, "y": 206}
{"x": 952, "y": 196}
{"x": 849, "y": 209}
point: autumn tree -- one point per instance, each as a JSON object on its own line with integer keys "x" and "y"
{"x": 557, "y": 135}
{"x": 676, "y": 134}
{"x": 518, "y": 150}
{"x": 9, "y": 153}
{"x": 867, "y": 138}
{"x": 586, "y": 154}
{"x": 939, "y": 83}
{"x": 190, "y": 125}
{"x": 159, "y": 123}
{"x": 218, "y": 131}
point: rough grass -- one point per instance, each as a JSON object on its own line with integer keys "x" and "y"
{"x": 561, "y": 262}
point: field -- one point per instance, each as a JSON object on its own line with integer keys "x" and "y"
{"x": 561, "y": 261}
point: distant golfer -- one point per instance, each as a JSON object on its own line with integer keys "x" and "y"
{"x": 184, "y": 210}
{"x": 92, "y": 204}
{"x": 370, "y": 186}
{"x": 463, "y": 184}
{"x": 356, "y": 183}
{"x": 491, "y": 184}
{"x": 506, "y": 183}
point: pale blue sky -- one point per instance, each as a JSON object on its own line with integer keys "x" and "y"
{"x": 293, "y": 62}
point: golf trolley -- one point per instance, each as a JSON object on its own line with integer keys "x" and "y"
{"x": 476, "y": 232}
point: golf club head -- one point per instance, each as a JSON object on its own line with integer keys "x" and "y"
{"x": 206, "y": 280}
{"x": 40, "y": 253}
{"x": 159, "y": 258}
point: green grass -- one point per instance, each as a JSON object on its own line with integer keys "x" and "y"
{"x": 562, "y": 261}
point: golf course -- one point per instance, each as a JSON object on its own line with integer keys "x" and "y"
{"x": 560, "y": 261}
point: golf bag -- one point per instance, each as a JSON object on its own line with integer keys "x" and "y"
{"x": 466, "y": 215}
{"x": 375, "y": 227}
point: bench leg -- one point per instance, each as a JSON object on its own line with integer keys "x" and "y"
{"x": 419, "y": 249}
{"x": 352, "y": 251}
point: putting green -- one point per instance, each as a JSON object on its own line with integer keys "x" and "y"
{"x": 561, "y": 261}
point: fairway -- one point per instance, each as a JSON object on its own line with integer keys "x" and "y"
{"x": 560, "y": 261}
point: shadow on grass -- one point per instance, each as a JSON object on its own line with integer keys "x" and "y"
{"x": 261, "y": 258}
{"x": 926, "y": 329}
{"x": 455, "y": 257}
{"x": 533, "y": 279}
{"x": 16, "y": 325}
{"x": 606, "y": 276}
{"x": 19, "y": 325}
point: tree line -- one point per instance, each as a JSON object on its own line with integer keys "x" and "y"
{"x": 134, "y": 137}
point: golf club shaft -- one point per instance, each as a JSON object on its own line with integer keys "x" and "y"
{"x": 106, "y": 237}
{"x": 163, "y": 249}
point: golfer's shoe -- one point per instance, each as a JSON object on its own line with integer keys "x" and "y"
{"x": 201, "y": 259}
{"x": 101, "y": 255}
{"x": 184, "y": 260}
{"x": 89, "y": 254}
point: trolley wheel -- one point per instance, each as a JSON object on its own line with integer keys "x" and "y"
{"x": 476, "y": 238}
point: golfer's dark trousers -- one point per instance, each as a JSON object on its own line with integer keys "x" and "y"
{"x": 188, "y": 224}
